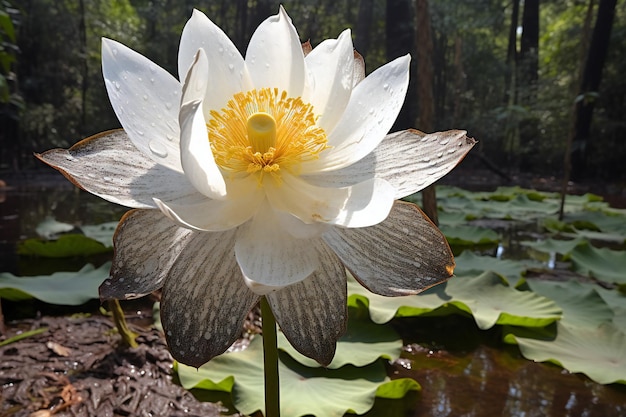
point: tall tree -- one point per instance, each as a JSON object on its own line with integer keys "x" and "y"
{"x": 426, "y": 103}
{"x": 592, "y": 76}
{"x": 527, "y": 77}
{"x": 399, "y": 41}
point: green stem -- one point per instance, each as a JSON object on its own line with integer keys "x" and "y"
{"x": 128, "y": 337}
{"x": 270, "y": 361}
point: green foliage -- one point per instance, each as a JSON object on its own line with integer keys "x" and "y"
{"x": 304, "y": 390}
{"x": 65, "y": 288}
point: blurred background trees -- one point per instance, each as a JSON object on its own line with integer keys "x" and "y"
{"x": 525, "y": 77}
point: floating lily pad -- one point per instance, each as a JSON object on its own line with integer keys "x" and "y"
{"x": 50, "y": 228}
{"x": 470, "y": 264}
{"x": 598, "y": 352}
{"x": 582, "y": 305}
{"x": 304, "y": 390}
{"x": 363, "y": 343}
{"x": 491, "y": 301}
{"x": 103, "y": 233}
{"x": 65, "y": 246}
{"x": 470, "y": 235}
{"x": 383, "y": 309}
{"x": 555, "y": 246}
{"x": 604, "y": 264}
{"x": 65, "y": 288}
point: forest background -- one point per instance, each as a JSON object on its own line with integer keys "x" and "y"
{"x": 532, "y": 80}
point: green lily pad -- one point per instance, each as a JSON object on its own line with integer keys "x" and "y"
{"x": 363, "y": 343}
{"x": 102, "y": 233}
{"x": 582, "y": 305}
{"x": 604, "y": 264}
{"x": 470, "y": 264}
{"x": 470, "y": 235}
{"x": 383, "y": 309}
{"x": 491, "y": 301}
{"x": 65, "y": 246}
{"x": 487, "y": 297}
{"x": 50, "y": 228}
{"x": 597, "y": 352}
{"x": 303, "y": 390}
{"x": 65, "y": 288}
{"x": 554, "y": 246}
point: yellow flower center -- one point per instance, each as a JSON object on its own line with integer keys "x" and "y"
{"x": 261, "y": 132}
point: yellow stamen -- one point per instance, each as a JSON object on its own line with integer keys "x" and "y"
{"x": 262, "y": 131}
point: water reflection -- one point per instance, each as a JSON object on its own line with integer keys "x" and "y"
{"x": 484, "y": 378}
{"x": 27, "y": 203}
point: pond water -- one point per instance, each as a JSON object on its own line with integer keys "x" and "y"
{"x": 463, "y": 371}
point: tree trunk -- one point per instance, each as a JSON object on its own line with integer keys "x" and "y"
{"x": 592, "y": 75}
{"x": 425, "y": 79}
{"x": 511, "y": 57}
{"x": 399, "y": 41}
{"x": 567, "y": 163}
{"x": 528, "y": 75}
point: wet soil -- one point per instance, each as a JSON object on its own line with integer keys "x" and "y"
{"x": 76, "y": 367}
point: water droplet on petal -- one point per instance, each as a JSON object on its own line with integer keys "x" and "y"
{"x": 372, "y": 111}
{"x": 107, "y": 179}
{"x": 231, "y": 67}
{"x": 385, "y": 86}
{"x": 169, "y": 137}
{"x": 145, "y": 97}
{"x": 168, "y": 105}
{"x": 158, "y": 149}
{"x": 444, "y": 141}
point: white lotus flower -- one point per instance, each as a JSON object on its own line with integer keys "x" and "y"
{"x": 273, "y": 175}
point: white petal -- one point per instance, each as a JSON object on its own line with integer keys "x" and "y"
{"x": 217, "y": 215}
{"x": 403, "y": 255}
{"x": 226, "y": 71}
{"x": 145, "y": 99}
{"x": 331, "y": 68}
{"x": 297, "y": 228}
{"x": 274, "y": 57}
{"x": 313, "y": 313}
{"x": 195, "y": 149}
{"x": 110, "y": 166}
{"x": 361, "y": 205}
{"x": 269, "y": 256}
{"x": 372, "y": 110}
{"x": 205, "y": 300}
{"x": 409, "y": 160}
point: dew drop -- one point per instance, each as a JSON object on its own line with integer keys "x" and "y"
{"x": 231, "y": 67}
{"x": 145, "y": 97}
{"x": 107, "y": 179}
{"x": 117, "y": 85}
{"x": 444, "y": 141}
{"x": 267, "y": 65}
{"x": 371, "y": 111}
{"x": 221, "y": 50}
{"x": 140, "y": 132}
{"x": 152, "y": 124}
{"x": 168, "y": 105}
{"x": 115, "y": 51}
{"x": 158, "y": 149}
{"x": 169, "y": 137}
{"x": 386, "y": 87}
{"x": 152, "y": 80}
